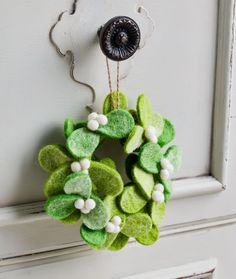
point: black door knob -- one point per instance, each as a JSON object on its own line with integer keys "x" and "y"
{"x": 119, "y": 38}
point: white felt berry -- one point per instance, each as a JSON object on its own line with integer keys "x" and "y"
{"x": 92, "y": 116}
{"x": 151, "y": 130}
{"x": 79, "y": 204}
{"x": 102, "y": 119}
{"x": 153, "y": 139}
{"x": 90, "y": 204}
{"x": 116, "y": 229}
{"x": 110, "y": 227}
{"x": 116, "y": 220}
{"x": 85, "y": 164}
{"x": 159, "y": 187}
{"x": 158, "y": 196}
{"x": 92, "y": 125}
{"x": 85, "y": 210}
{"x": 75, "y": 167}
{"x": 165, "y": 163}
{"x": 164, "y": 174}
{"x": 151, "y": 134}
{"x": 170, "y": 168}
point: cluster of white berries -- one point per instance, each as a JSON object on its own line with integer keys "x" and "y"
{"x": 83, "y": 165}
{"x": 85, "y": 206}
{"x": 94, "y": 120}
{"x": 158, "y": 193}
{"x": 151, "y": 134}
{"x": 114, "y": 225}
{"x": 167, "y": 169}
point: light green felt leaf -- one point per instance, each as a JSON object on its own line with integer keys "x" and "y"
{"x": 53, "y": 156}
{"x": 119, "y": 243}
{"x": 168, "y": 133}
{"x": 106, "y": 180}
{"x": 144, "y": 181}
{"x": 97, "y": 218}
{"x": 78, "y": 183}
{"x": 82, "y": 143}
{"x": 55, "y": 182}
{"x": 131, "y": 200}
{"x": 120, "y": 124}
{"x": 130, "y": 161}
{"x": 108, "y": 104}
{"x": 69, "y": 127}
{"x": 72, "y": 219}
{"x": 134, "y": 140}
{"x": 157, "y": 212}
{"x": 108, "y": 162}
{"x": 60, "y": 206}
{"x": 167, "y": 188}
{"x": 174, "y": 154}
{"x": 95, "y": 238}
{"x": 113, "y": 208}
{"x": 144, "y": 110}
{"x": 150, "y": 237}
{"x": 137, "y": 224}
{"x": 158, "y": 122}
{"x": 149, "y": 157}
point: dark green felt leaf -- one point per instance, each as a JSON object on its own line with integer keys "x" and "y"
{"x": 78, "y": 183}
{"x": 69, "y": 127}
{"x": 72, "y": 219}
{"x": 144, "y": 181}
{"x": 55, "y": 182}
{"x": 61, "y": 206}
{"x": 53, "y": 156}
{"x": 144, "y": 110}
{"x": 134, "y": 140}
{"x": 130, "y": 161}
{"x": 95, "y": 238}
{"x": 120, "y": 124}
{"x": 137, "y": 224}
{"x": 131, "y": 200}
{"x": 82, "y": 143}
{"x": 150, "y": 237}
{"x": 168, "y": 133}
{"x": 149, "y": 157}
{"x": 108, "y": 104}
{"x": 106, "y": 180}
{"x": 157, "y": 212}
{"x": 97, "y": 218}
{"x": 119, "y": 243}
{"x": 174, "y": 154}
{"x": 108, "y": 162}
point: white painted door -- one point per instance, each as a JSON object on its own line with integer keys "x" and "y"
{"x": 186, "y": 67}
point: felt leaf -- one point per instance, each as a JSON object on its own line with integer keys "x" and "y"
{"x": 149, "y": 157}
{"x": 81, "y": 124}
{"x": 131, "y": 201}
{"x": 120, "y": 124}
{"x": 144, "y": 110}
{"x": 157, "y": 212}
{"x": 98, "y": 217}
{"x": 106, "y": 180}
{"x": 55, "y": 182}
{"x": 53, "y": 156}
{"x": 158, "y": 122}
{"x": 137, "y": 224}
{"x": 82, "y": 143}
{"x": 61, "y": 206}
{"x": 135, "y": 115}
{"x": 168, "y": 133}
{"x": 108, "y": 104}
{"x": 78, "y": 183}
{"x": 95, "y": 238}
{"x": 167, "y": 188}
{"x": 130, "y": 161}
{"x": 72, "y": 219}
{"x": 108, "y": 162}
{"x": 174, "y": 155}
{"x": 134, "y": 140}
{"x": 113, "y": 208}
{"x": 119, "y": 243}
{"x": 150, "y": 237}
{"x": 144, "y": 181}
{"x": 69, "y": 127}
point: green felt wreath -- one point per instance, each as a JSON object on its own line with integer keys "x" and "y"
{"x": 84, "y": 189}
